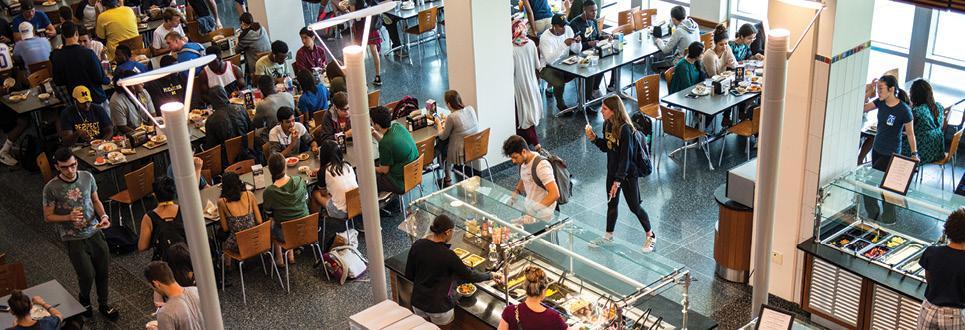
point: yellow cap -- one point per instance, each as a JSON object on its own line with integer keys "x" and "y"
{"x": 82, "y": 94}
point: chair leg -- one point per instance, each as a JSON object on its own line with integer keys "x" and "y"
{"x": 748, "y": 147}
{"x": 241, "y": 270}
{"x": 130, "y": 208}
{"x": 275, "y": 267}
{"x": 685, "y": 159}
{"x": 222, "y": 272}
{"x": 489, "y": 169}
{"x": 402, "y": 205}
{"x": 288, "y": 283}
{"x": 263, "y": 269}
{"x": 324, "y": 229}
{"x": 943, "y": 176}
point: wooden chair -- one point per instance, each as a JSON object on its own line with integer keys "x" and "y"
{"x": 37, "y": 78}
{"x": 251, "y": 141}
{"x": 643, "y": 18}
{"x": 232, "y": 148}
{"x": 266, "y": 150}
{"x": 374, "y": 98}
{"x": 668, "y": 75}
{"x": 353, "y": 209}
{"x": 599, "y": 22}
{"x": 140, "y": 184}
{"x": 625, "y": 29}
{"x": 252, "y": 242}
{"x": 46, "y": 171}
{"x": 627, "y": 17}
{"x": 412, "y": 178}
{"x": 241, "y": 167}
{"x": 134, "y": 42}
{"x": 675, "y": 125}
{"x": 206, "y": 174}
{"x": 950, "y": 157}
{"x": 475, "y": 147}
{"x": 12, "y": 277}
{"x": 234, "y": 59}
{"x": 299, "y": 233}
{"x": 708, "y": 40}
{"x": 427, "y": 150}
{"x": 747, "y": 129}
{"x": 318, "y": 117}
{"x": 428, "y": 20}
{"x": 391, "y": 105}
{"x": 193, "y": 32}
{"x": 212, "y": 160}
{"x": 39, "y": 66}
{"x": 142, "y": 51}
{"x": 224, "y": 32}
{"x": 648, "y": 101}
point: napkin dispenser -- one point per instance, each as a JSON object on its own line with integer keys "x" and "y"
{"x": 416, "y": 120}
{"x": 722, "y": 85}
{"x": 258, "y": 173}
{"x": 606, "y": 48}
{"x": 137, "y": 138}
{"x": 661, "y": 30}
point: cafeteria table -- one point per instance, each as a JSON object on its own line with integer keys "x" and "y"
{"x": 54, "y": 294}
{"x": 402, "y": 16}
{"x": 31, "y": 105}
{"x": 83, "y": 154}
{"x": 706, "y": 107}
{"x": 637, "y": 45}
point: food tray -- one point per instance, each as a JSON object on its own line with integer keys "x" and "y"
{"x": 841, "y": 241}
{"x": 515, "y": 281}
{"x": 876, "y": 236}
{"x": 911, "y": 266}
{"x": 152, "y": 144}
{"x": 460, "y": 253}
{"x": 902, "y": 253}
{"x": 833, "y": 228}
{"x": 473, "y": 260}
{"x": 895, "y": 241}
{"x": 876, "y": 252}
{"x": 858, "y": 245}
{"x": 859, "y": 230}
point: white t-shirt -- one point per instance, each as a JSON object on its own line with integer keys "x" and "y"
{"x": 157, "y": 42}
{"x": 97, "y": 47}
{"x": 535, "y": 194}
{"x": 339, "y": 185}
{"x": 283, "y": 138}
{"x": 553, "y": 47}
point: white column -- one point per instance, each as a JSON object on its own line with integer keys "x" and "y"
{"x": 282, "y": 19}
{"x": 480, "y": 53}
{"x": 711, "y": 10}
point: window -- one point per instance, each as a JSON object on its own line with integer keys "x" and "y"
{"x": 880, "y": 62}
{"x": 755, "y": 9}
{"x": 891, "y": 25}
{"x": 663, "y": 8}
{"x": 947, "y": 43}
{"x": 946, "y": 82}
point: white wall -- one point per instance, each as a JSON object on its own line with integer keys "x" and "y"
{"x": 712, "y": 10}
{"x": 282, "y": 19}
{"x": 480, "y": 54}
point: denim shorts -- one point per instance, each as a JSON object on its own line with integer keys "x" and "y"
{"x": 334, "y": 212}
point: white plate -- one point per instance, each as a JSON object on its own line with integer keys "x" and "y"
{"x": 695, "y": 91}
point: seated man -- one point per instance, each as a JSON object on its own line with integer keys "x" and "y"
{"x": 586, "y": 27}
{"x": 335, "y": 120}
{"x": 186, "y": 49}
{"x": 124, "y": 61}
{"x": 228, "y": 121}
{"x": 84, "y": 121}
{"x": 172, "y": 23}
{"x": 96, "y": 46}
{"x": 274, "y": 65}
{"x": 396, "y": 149}
{"x": 289, "y": 137}
{"x": 310, "y": 56}
{"x": 125, "y": 112}
{"x": 271, "y": 101}
{"x": 30, "y": 50}
{"x": 183, "y": 307}
{"x": 220, "y": 73}
{"x": 38, "y": 20}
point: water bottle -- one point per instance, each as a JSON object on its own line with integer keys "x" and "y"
{"x": 289, "y": 85}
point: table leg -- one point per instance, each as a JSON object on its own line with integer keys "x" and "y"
{"x": 706, "y": 145}
{"x": 39, "y": 124}
{"x": 616, "y": 87}
{"x": 581, "y": 98}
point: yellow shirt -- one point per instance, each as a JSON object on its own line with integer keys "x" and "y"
{"x": 116, "y": 25}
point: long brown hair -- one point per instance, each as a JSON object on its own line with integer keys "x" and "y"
{"x": 536, "y": 281}
{"x": 921, "y": 94}
{"x": 453, "y": 100}
{"x": 620, "y": 116}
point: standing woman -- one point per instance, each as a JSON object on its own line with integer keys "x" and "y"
{"x": 529, "y": 102}
{"x": 929, "y": 118}
{"x": 894, "y": 116}
{"x": 619, "y": 145}
{"x": 461, "y": 122}
{"x": 531, "y": 311}
{"x": 375, "y": 39}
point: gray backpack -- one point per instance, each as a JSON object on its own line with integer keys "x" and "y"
{"x": 560, "y": 173}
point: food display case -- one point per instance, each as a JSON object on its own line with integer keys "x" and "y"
{"x": 861, "y": 270}
{"x": 614, "y": 287}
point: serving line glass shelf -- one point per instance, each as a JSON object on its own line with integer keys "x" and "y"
{"x": 921, "y": 199}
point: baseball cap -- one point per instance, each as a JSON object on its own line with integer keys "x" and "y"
{"x": 26, "y": 30}
{"x": 82, "y": 94}
{"x": 558, "y": 19}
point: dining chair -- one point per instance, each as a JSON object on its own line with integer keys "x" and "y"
{"x": 140, "y": 184}
{"x": 241, "y": 167}
{"x": 236, "y": 60}
{"x": 12, "y": 277}
{"x": 38, "y": 66}
{"x": 251, "y": 141}
{"x": 317, "y": 117}
{"x": 353, "y": 209}
{"x": 374, "y": 98}
{"x": 232, "y": 148}
{"x": 391, "y": 105}
{"x": 626, "y": 17}
{"x": 427, "y": 23}
{"x": 427, "y": 150}
{"x": 143, "y": 51}
{"x": 193, "y": 32}
{"x": 136, "y": 42}
{"x": 476, "y": 147}
{"x": 643, "y": 18}
{"x": 411, "y": 178}
{"x": 46, "y": 171}
{"x": 675, "y": 125}
{"x": 212, "y": 161}
{"x": 224, "y": 32}
{"x": 37, "y": 78}
{"x": 708, "y": 40}
{"x": 648, "y": 103}
{"x": 252, "y": 242}
{"x": 949, "y": 158}
{"x": 747, "y": 129}
{"x": 298, "y": 233}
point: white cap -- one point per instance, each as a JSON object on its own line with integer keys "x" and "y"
{"x": 26, "y": 30}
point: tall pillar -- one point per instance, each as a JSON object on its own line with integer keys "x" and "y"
{"x": 282, "y": 19}
{"x": 711, "y": 10}
{"x": 480, "y": 55}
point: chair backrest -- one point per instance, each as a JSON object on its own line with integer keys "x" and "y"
{"x": 623, "y": 28}
{"x": 206, "y": 174}
{"x": 140, "y": 183}
{"x": 232, "y": 148}
{"x": 266, "y": 151}
{"x": 412, "y": 174}
{"x": 254, "y": 241}
{"x": 353, "y": 203}
{"x": 643, "y": 18}
{"x": 46, "y": 171}
{"x": 234, "y": 59}
{"x": 317, "y": 117}
{"x": 193, "y": 31}
{"x": 427, "y": 20}
{"x": 668, "y": 75}
{"x": 475, "y": 146}
{"x": 303, "y": 118}
{"x": 12, "y": 277}
{"x": 142, "y": 51}
{"x": 648, "y": 90}
{"x": 300, "y": 232}
{"x": 136, "y": 42}
{"x": 708, "y": 40}
{"x": 374, "y": 97}
{"x": 225, "y": 32}
{"x": 241, "y": 167}
{"x": 953, "y": 149}
{"x": 757, "y": 119}
{"x": 391, "y": 105}
{"x": 38, "y": 66}
{"x": 212, "y": 160}
{"x": 427, "y": 150}
{"x": 37, "y": 77}
{"x": 674, "y": 122}
{"x": 626, "y": 17}
{"x": 251, "y": 140}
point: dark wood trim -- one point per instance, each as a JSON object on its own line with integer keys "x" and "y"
{"x": 706, "y": 23}
{"x": 864, "y": 314}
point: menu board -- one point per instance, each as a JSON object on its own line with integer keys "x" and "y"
{"x": 898, "y": 176}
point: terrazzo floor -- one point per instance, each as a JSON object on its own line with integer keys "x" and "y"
{"x": 683, "y": 213}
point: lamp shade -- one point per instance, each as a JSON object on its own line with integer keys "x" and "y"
{"x": 158, "y": 73}
{"x": 358, "y": 14}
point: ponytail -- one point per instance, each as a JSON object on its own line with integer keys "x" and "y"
{"x": 892, "y": 82}
{"x": 903, "y": 96}
{"x": 720, "y": 32}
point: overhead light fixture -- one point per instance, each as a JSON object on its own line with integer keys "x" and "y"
{"x": 365, "y": 13}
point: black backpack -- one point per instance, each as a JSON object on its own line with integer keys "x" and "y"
{"x": 165, "y": 233}
{"x": 120, "y": 240}
{"x": 641, "y": 152}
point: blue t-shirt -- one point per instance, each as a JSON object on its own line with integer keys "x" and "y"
{"x": 40, "y": 21}
{"x": 310, "y": 102}
{"x": 47, "y": 323}
{"x": 33, "y": 50}
{"x": 541, "y": 9}
{"x": 130, "y": 65}
{"x": 93, "y": 121}
{"x": 190, "y": 51}
{"x": 891, "y": 123}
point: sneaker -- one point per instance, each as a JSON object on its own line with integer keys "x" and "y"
{"x": 648, "y": 245}
{"x": 88, "y": 311}
{"x": 7, "y": 159}
{"x": 601, "y": 242}
{"x": 377, "y": 81}
{"x": 109, "y": 312}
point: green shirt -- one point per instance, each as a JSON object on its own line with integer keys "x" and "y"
{"x": 685, "y": 75}
{"x": 65, "y": 196}
{"x": 395, "y": 151}
{"x": 287, "y": 202}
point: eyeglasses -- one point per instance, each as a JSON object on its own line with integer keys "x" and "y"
{"x": 68, "y": 166}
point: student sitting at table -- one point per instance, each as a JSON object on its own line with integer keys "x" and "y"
{"x": 220, "y": 73}
{"x": 396, "y": 149}
{"x": 335, "y": 120}
{"x": 687, "y": 71}
{"x": 274, "y": 65}
{"x": 271, "y": 100}
{"x": 720, "y": 58}
{"x": 227, "y": 121}
{"x": 314, "y": 95}
{"x": 186, "y": 50}
{"x": 162, "y": 226}
{"x": 286, "y": 198}
{"x": 557, "y": 43}
{"x": 336, "y": 78}
{"x": 237, "y": 209}
{"x": 289, "y": 137}
{"x": 310, "y": 55}
{"x": 172, "y": 22}
{"x": 125, "y": 113}
{"x": 337, "y": 177}
{"x": 166, "y": 89}
{"x": 742, "y": 43}
{"x": 461, "y": 122}
{"x": 87, "y": 15}
{"x": 684, "y": 33}
{"x": 20, "y": 305}
{"x": 38, "y": 21}
{"x": 84, "y": 120}
{"x": 30, "y": 50}
{"x": 124, "y": 61}
{"x": 84, "y": 40}
{"x": 115, "y": 24}
{"x": 252, "y": 40}
{"x": 586, "y": 27}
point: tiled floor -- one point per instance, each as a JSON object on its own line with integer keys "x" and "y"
{"x": 683, "y": 215}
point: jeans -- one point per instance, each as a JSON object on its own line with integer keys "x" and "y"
{"x": 90, "y": 258}
{"x": 558, "y": 80}
{"x": 384, "y": 184}
{"x": 206, "y": 24}
{"x": 631, "y": 193}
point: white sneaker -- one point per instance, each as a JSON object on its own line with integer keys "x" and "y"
{"x": 601, "y": 242}
{"x": 7, "y": 159}
{"x": 648, "y": 245}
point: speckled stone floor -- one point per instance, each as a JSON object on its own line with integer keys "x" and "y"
{"x": 683, "y": 214}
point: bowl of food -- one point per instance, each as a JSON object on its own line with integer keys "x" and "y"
{"x": 466, "y": 290}
{"x": 159, "y": 139}
{"x": 107, "y": 147}
{"x": 96, "y": 142}
{"x": 100, "y": 161}
{"x": 304, "y": 156}
{"x": 9, "y": 82}
{"x": 291, "y": 161}
{"x": 115, "y": 157}
{"x": 303, "y": 169}
{"x": 43, "y": 96}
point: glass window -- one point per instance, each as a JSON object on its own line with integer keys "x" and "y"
{"x": 946, "y": 82}
{"x": 947, "y": 41}
{"x": 892, "y": 24}
{"x": 880, "y": 62}
{"x": 663, "y": 10}
{"x": 756, "y": 9}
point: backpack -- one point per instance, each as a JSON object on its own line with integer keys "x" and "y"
{"x": 120, "y": 239}
{"x": 344, "y": 263}
{"x": 641, "y": 154}
{"x": 404, "y": 107}
{"x": 27, "y": 151}
{"x": 165, "y": 233}
{"x": 562, "y": 175}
